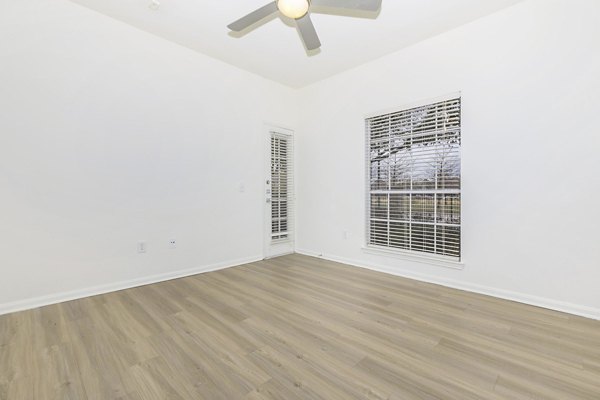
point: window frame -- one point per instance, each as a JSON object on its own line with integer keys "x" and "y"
{"x": 407, "y": 254}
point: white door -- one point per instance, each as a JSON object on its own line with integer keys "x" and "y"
{"x": 279, "y": 193}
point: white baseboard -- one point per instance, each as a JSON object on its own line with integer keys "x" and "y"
{"x": 41, "y": 301}
{"x": 584, "y": 311}
{"x": 575, "y": 309}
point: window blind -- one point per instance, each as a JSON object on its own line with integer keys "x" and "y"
{"x": 414, "y": 180}
{"x": 282, "y": 185}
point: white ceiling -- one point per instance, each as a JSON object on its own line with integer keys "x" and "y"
{"x": 274, "y": 50}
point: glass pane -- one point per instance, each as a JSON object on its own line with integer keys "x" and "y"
{"x": 279, "y": 187}
{"x": 380, "y": 165}
{"x": 400, "y": 207}
{"x": 423, "y": 207}
{"x": 448, "y": 241}
{"x": 399, "y": 235}
{"x": 400, "y": 169}
{"x": 423, "y": 164}
{"x": 379, "y": 206}
{"x": 378, "y": 234}
{"x": 448, "y": 208}
{"x": 448, "y": 161}
{"x": 379, "y": 127}
{"x": 422, "y": 238}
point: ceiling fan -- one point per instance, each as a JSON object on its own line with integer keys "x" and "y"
{"x": 299, "y": 10}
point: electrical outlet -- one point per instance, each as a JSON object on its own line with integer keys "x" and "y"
{"x": 172, "y": 244}
{"x": 141, "y": 247}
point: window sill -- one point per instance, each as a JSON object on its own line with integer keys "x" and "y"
{"x": 411, "y": 256}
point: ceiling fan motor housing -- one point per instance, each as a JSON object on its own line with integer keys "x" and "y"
{"x": 293, "y": 8}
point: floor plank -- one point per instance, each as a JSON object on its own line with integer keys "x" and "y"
{"x": 297, "y": 328}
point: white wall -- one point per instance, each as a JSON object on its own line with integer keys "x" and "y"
{"x": 109, "y": 135}
{"x": 530, "y": 82}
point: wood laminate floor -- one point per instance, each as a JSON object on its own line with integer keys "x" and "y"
{"x": 297, "y": 328}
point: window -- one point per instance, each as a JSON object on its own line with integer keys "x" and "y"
{"x": 414, "y": 182}
{"x": 281, "y": 186}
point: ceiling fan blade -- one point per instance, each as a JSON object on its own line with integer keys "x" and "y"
{"x": 308, "y": 33}
{"x": 366, "y": 5}
{"x": 253, "y": 17}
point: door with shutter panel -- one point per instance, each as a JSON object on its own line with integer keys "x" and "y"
{"x": 279, "y": 194}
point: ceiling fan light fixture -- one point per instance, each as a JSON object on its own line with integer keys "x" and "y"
{"x": 299, "y": 11}
{"x": 293, "y": 8}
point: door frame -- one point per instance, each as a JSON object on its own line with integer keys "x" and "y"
{"x": 271, "y": 250}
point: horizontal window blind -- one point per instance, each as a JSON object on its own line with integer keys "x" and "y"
{"x": 414, "y": 179}
{"x": 282, "y": 185}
